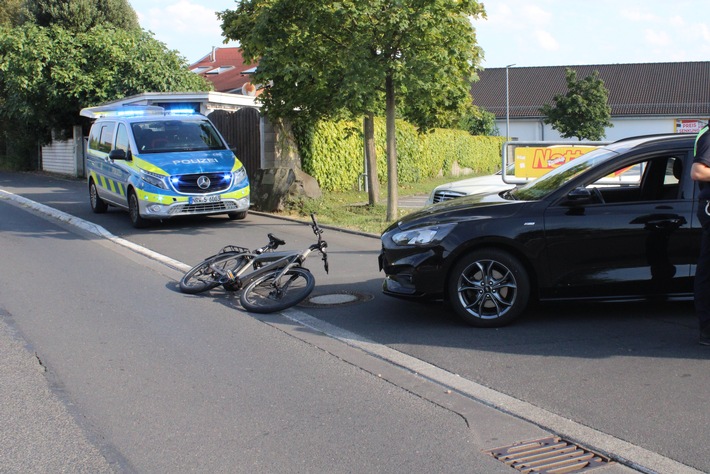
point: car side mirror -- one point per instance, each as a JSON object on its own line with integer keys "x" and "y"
{"x": 118, "y": 154}
{"x": 579, "y": 194}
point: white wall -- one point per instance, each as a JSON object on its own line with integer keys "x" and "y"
{"x": 65, "y": 157}
{"x": 536, "y": 130}
{"x": 58, "y": 157}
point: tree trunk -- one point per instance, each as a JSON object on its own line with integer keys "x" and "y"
{"x": 392, "y": 184}
{"x": 373, "y": 184}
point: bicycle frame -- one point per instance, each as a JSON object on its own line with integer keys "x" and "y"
{"x": 268, "y": 262}
{"x": 238, "y": 268}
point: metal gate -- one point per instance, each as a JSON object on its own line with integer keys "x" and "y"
{"x": 241, "y": 130}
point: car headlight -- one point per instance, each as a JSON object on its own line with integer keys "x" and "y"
{"x": 423, "y": 235}
{"x": 240, "y": 175}
{"x": 154, "y": 179}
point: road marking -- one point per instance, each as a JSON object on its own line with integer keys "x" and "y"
{"x": 92, "y": 228}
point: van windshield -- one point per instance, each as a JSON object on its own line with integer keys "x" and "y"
{"x": 163, "y": 136}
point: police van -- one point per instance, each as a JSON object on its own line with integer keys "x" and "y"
{"x": 159, "y": 163}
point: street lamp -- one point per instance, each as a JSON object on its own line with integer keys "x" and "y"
{"x": 507, "y": 104}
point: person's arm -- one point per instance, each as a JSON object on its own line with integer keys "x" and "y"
{"x": 700, "y": 172}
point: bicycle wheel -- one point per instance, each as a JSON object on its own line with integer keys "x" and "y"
{"x": 206, "y": 275}
{"x": 266, "y": 294}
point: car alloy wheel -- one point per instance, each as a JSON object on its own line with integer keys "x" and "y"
{"x": 488, "y": 288}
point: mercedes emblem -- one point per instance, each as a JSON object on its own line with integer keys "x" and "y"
{"x": 203, "y": 182}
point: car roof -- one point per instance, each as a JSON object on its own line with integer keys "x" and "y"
{"x": 141, "y": 113}
{"x": 644, "y": 141}
{"x": 658, "y": 137}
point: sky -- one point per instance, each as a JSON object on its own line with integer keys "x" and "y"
{"x": 519, "y": 32}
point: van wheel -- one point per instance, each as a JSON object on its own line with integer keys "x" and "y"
{"x": 134, "y": 212}
{"x": 489, "y": 288}
{"x": 98, "y": 205}
{"x": 236, "y": 215}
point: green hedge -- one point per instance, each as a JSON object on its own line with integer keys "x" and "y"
{"x": 332, "y": 152}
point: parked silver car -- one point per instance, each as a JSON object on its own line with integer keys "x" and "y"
{"x": 479, "y": 184}
{"x": 494, "y": 183}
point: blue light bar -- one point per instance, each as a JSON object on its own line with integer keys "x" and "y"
{"x": 181, "y": 111}
{"x": 121, "y": 111}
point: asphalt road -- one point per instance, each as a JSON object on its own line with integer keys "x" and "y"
{"x": 141, "y": 378}
{"x": 628, "y": 380}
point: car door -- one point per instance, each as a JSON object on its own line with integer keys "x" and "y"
{"x": 118, "y": 171}
{"x": 637, "y": 241}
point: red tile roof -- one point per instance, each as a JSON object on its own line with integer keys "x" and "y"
{"x": 225, "y": 69}
{"x": 681, "y": 88}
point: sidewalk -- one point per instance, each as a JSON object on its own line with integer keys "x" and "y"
{"x": 412, "y": 202}
{"x": 38, "y": 434}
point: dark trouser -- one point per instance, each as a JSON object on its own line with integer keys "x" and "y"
{"x": 702, "y": 276}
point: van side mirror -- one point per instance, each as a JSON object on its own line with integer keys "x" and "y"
{"x": 118, "y": 154}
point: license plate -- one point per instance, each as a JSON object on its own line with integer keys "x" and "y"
{"x": 205, "y": 199}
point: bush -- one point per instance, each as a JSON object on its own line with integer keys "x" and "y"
{"x": 332, "y": 152}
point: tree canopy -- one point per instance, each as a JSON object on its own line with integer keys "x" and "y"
{"x": 82, "y": 15}
{"x": 359, "y": 57}
{"x": 583, "y": 111}
{"x": 11, "y": 12}
{"x": 58, "y": 56}
{"x": 48, "y": 74}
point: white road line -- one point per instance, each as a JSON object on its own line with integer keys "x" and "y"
{"x": 92, "y": 228}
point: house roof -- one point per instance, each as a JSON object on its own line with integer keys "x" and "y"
{"x": 678, "y": 89}
{"x": 225, "y": 69}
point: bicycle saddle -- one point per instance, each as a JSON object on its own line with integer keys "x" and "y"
{"x": 275, "y": 241}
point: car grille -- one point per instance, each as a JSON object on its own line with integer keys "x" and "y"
{"x": 203, "y": 208}
{"x": 187, "y": 183}
{"x": 440, "y": 196}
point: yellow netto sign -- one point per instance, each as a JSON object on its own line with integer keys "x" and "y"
{"x": 534, "y": 161}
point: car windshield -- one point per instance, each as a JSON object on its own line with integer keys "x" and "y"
{"x": 547, "y": 183}
{"x": 161, "y": 136}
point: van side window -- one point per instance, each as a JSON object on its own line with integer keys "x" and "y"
{"x": 122, "y": 138}
{"x": 101, "y": 137}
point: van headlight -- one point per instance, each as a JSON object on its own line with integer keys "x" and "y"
{"x": 240, "y": 175}
{"x": 423, "y": 235}
{"x": 154, "y": 179}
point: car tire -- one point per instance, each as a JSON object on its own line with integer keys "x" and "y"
{"x": 98, "y": 205}
{"x": 488, "y": 288}
{"x": 237, "y": 215}
{"x": 134, "y": 211}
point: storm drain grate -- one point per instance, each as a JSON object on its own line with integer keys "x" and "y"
{"x": 551, "y": 455}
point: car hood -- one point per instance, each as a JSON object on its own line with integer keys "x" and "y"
{"x": 476, "y": 185}
{"x": 192, "y": 162}
{"x": 476, "y": 206}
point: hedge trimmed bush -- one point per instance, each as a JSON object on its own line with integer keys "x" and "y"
{"x": 332, "y": 152}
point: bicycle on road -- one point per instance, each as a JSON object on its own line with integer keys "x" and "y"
{"x": 269, "y": 280}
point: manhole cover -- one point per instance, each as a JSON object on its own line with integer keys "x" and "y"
{"x": 339, "y": 298}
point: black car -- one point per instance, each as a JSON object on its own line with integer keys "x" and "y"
{"x": 567, "y": 235}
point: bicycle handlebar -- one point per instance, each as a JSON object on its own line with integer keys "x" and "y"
{"x": 316, "y": 228}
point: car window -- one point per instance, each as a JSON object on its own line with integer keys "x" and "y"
{"x": 653, "y": 179}
{"x": 122, "y": 138}
{"x": 101, "y": 137}
{"x": 549, "y": 182}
